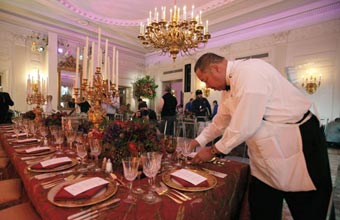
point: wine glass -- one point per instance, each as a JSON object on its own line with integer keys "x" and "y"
{"x": 170, "y": 146}
{"x": 96, "y": 148}
{"x": 70, "y": 137}
{"x": 186, "y": 150}
{"x": 82, "y": 153}
{"x": 151, "y": 164}
{"x": 59, "y": 136}
{"x": 130, "y": 167}
{"x": 44, "y": 132}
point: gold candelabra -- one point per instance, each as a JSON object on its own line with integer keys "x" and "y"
{"x": 100, "y": 91}
{"x": 36, "y": 98}
{"x": 176, "y": 35}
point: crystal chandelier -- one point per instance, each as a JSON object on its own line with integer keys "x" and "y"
{"x": 176, "y": 35}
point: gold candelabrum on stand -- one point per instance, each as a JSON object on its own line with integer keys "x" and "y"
{"x": 36, "y": 98}
{"x": 100, "y": 91}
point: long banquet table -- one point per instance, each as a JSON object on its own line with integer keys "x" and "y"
{"x": 227, "y": 200}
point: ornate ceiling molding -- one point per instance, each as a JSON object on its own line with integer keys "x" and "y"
{"x": 125, "y": 22}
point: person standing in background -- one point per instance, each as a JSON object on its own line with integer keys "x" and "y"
{"x": 215, "y": 108}
{"x": 286, "y": 144}
{"x": 84, "y": 105}
{"x": 49, "y": 108}
{"x": 167, "y": 106}
{"x": 188, "y": 107}
{"x": 5, "y": 102}
{"x": 201, "y": 107}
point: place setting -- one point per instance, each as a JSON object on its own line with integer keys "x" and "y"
{"x": 52, "y": 165}
{"x": 82, "y": 192}
{"x": 35, "y": 151}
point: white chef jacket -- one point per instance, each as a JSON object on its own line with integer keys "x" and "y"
{"x": 258, "y": 91}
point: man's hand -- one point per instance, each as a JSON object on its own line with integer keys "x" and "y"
{"x": 203, "y": 156}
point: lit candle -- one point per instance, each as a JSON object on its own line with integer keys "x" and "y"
{"x": 113, "y": 64}
{"x": 105, "y": 58}
{"x": 98, "y": 50}
{"x": 200, "y": 18}
{"x": 150, "y": 16}
{"x": 117, "y": 68}
{"x": 184, "y": 13}
{"x": 192, "y": 12}
{"x": 206, "y": 26}
{"x": 28, "y": 85}
{"x": 85, "y": 58}
{"x": 77, "y": 69}
{"x": 92, "y": 68}
{"x": 141, "y": 29}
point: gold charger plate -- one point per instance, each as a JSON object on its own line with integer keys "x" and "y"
{"x": 102, "y": 195}
{"x": 212, "y": 181}
{"x": 59, "y": 168}
{"x": 23, "y": 152}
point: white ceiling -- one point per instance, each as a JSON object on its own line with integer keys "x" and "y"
{"x": 120, "y": 19}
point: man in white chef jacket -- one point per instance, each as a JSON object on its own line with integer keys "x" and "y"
{"x": 286, "y": 146}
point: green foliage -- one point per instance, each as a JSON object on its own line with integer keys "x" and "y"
{"x": 145, "y": 87}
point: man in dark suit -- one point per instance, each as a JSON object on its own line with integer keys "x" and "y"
{"x": 5, "y": 102}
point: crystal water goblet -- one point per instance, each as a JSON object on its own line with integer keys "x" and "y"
{"x": 130, "y": 167}
{"x": 151, "y": 164}
{"x": 70, "y": 137}
{"x": 59, "y": 135}
{"x": 82, "y": 153}
{"x": 96, "y": 148}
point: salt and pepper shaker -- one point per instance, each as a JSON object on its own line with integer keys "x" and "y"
{"x": 108, "y": 166}
{"x": 104, "y": 163}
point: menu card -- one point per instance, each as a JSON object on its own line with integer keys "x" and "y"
{"x": 19, "y": 135}
{"x": 54, "y": 161}
{"x": 37, "y": 149}
{"x": 189, "y": 178}
{"x": 85, "y": 185}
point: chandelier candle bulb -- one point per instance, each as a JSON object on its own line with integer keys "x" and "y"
{"x": 206, "y": 26}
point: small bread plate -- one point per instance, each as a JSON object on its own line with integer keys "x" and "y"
{"x": 102, "y": 195}
{"x": 212, "y": 181}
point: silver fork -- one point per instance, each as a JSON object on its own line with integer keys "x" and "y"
{"x": 68, "y": 178}
{"x": 177, "y": 193}
{"x": 164, "y": 192}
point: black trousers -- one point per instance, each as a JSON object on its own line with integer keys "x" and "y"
{"x": 266, "y": 202}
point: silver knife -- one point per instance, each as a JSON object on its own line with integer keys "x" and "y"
{"x": 94, "y": 208}
{"x": 215, "y": 173}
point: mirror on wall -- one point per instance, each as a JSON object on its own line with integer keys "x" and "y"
{"x": 67, "y": 81}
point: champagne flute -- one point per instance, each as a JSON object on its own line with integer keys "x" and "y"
{"x": 130, "y": 167}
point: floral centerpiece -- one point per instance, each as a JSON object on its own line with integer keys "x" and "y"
{"x": 145, "y": 87}
{"x": 29, "y": 115}
{"x": 54, "y": 119}
{"x": 126, "y": 138}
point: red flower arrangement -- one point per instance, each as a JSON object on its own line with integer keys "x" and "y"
{"x": 124, "y": 138}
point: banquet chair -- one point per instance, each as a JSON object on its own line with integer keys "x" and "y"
{"x": 23, "y": 211}
{"x": 11, "y": 192}
{"x": 3, "y": 167}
